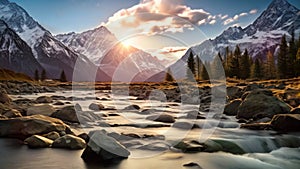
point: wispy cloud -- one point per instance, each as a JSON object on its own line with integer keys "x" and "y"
{"x": 236, "y": 17}
{"x": 173, "y": 49}
{"x": 158, "y": 16}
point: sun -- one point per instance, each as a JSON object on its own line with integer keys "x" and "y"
{"x": 126, "y": 44}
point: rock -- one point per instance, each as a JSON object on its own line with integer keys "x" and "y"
{"x": 234, "y": 92}
{"x": 55, "y": 97}
{"x": 44, "y": 99}
{"x": 96, "y": 107}
{"x": 156, "y": 146}
{"x": 257, "y": 126}
{"x": 4, "y": 98}
{"x": 23, "y": 127}
{"x": 85, "y": 137}
{"x": 261, "y": 103}
{"x": 165, "y": 118}
{"x": 52, "y": 135}
{"x": 132, "y": 107}
{"x": 189, "y": 146}
{"x": 231, "y": 108}
{"x": 37, "y": 141}
{"x": 103, "y": 148}
{"x": 58, "y": 103}
{"x": 295, "y": 110}
{"x": 192, "y": 164}
{"x": 69, "y": 142}
{"x": 12, "y": 113}
{"x": 194, "y": 115}
{"x": 45, "y": 110}
{"x": 184, "y": 125}
{"x": 222, "y": 145}
{"x": 68, "y": 113}
{"x": 251, "y": 87}
{"x": 286, "y": 122}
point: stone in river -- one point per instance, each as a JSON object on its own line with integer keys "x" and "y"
{"x": 37, "y": 141}
{"x": 69, "y": 142}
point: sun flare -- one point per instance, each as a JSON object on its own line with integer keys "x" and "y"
{"x": 126, "y": 44}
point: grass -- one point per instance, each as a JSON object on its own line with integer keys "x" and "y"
{"x": 13, "y": 76}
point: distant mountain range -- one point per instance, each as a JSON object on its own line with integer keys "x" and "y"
{"x": 258, "y": 38}
{"x": 96, "y": 54}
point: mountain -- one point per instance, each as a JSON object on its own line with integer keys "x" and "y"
{"x": 53, "y": 55}
{"x": 258, "y": 38}
{"x": 15, "y": 54}
{"x": 92, "y": 43}
{"x": 104, "y": 49}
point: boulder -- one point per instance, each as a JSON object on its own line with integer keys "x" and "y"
{"x": 52, "y": 135}
{"x": 96, "y": 107}
{"x": 4, "y": 98}
{"x": 257, "y": 126}
{"x": 132, "y": 107}
{"x": 189, "y": 146}
{"x": 44, "y": 99}
{"x": 23, "y": 127}
{"x": 69, "y": 142}
{"x": 231, "y": 108}
{"x": 58, "y": 103}
{"x": 233, "y": 92}
{"x": 68, "y": 114}
{"x": 12, "y": 113}
{"x": 214, "y": 145}
{"x": 286, "y": 122}
{"x": 261, "y": 103}
{"x": 295, "y": 110}
{"x": 37, "y": 141}
{"x": 103, "y": 148}
{"x": 45, "y": 110}
{"x": 165, "y": 118}
{"x": 192, "y": 164}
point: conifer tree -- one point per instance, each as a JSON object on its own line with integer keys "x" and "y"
{"x": 297, "y": 63}
{"x": 245, "y": 66}
{"x": 36, "y": 75}
{"x": 256, "y": 70}
{"x": 282, "y": 58}
{"x": 217, "y": 67}
{"x": 198, "y": 66}
{"x": 63, "y": 77}
{"x": 291, "y": 57}
{"x": 270, "y": 67}
{"x": 169, "y": 77}
{"x": 190, "y": 73}
{"x": 204, "y": 71}
{"x": 43, "y": 75}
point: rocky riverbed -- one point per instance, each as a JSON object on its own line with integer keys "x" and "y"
{"x": 246, "y": 125}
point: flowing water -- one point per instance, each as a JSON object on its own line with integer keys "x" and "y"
{"x": 263, "y": 149}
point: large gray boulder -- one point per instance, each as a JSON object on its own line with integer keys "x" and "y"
{"x": 37, "y": 141}
{"x": 261, "y": 103}
{"x": 69, "y": 142}
{"x": 26, "y": 126}
{"x": 102, "y": 147}
{"x": 68, "y": 113}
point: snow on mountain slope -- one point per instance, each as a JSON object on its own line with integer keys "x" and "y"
{"x": 53, "y": 55}
{"x": 92, "y": 43}
{"x": 15, "y": 54}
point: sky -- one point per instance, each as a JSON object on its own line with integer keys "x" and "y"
{"x": 175, "y": 24}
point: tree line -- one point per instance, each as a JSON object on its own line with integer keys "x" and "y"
{"x": 239, "y": 64}
{"x": 43, "y": 76}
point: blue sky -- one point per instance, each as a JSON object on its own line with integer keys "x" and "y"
{"x": 209, "y": 18}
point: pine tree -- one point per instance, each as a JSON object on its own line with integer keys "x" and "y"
{"x": 282, "y": 59}
{"x": 297, "y": 64}
{"x": 63, "y": 77}
{"x": 190, "y": 67}
{"x": 169, "y": 77}
{"x": 217, "y": 67}
{"x": 245, "y": 66}
{"x": 233, "y": 63}
{"x": 198, "y": 66}
{"x": 36, "y": 75}
{"x": 204, "y": 71}
{"x": 270, "y": 67}
{"x": 256, "y": 70}
{"x": 291, "y": 60}
{"x": 43, "y": 75}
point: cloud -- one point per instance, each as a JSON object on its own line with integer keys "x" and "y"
{"x": 253, "y": 11}
{"x": 212, "y": 22}
{"x": 158, "y": 16}
{"x": 236, "y": 17}
{"x": 173, "y": 49}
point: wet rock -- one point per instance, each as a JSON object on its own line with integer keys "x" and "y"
{"x": 103, "y": 148}
{"x": 12, "y": 113}
{"x": 96, "y": 107}
{"x": 252, "y": 86}
{"x": 37, "y": 141}
{"x": 68, "y": 113}
{"x": 4, "y": 98}
{"x": 52, "y": 135}
{"x": 23, "y": 127}
{"x": 192, "y": 164}
{"x": 157, "y": 146}
{"x": 234, "y": 92}
{"x": 184, "y": 125}
{"x": 257, "y": 126}
{"x": 261, "y": 103}
{"x": 165, "y": 118}
{"x": 194, "y": 115}
{"x": 44, "y": 99}
{"x": 132, "y": 107}
{"x": 286, "y": 122}
{"x": 231, "y": 108}
{"x": 222, "y": 145}
{"x": 58, "y": 103}
{"x": 295, "y": 110}
{"x": 69, "y": 142}
{"x": 45, "y": 110}
{"x": 55, "y": 97}
{"x": 189, "y": 146}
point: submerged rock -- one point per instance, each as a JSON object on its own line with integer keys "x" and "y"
{"x": 261, "y": 103}
{"x": 69, "y": 142}
{"x": 166, "y": 118}
{"x": 132, "y": 107}
{"x": 37, "y": 141}
{"x": 23, "y": 127}
{"x": 192, "y": 164}
{"x": 96, "y": 107}
{"x": 101, "y": 147}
